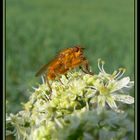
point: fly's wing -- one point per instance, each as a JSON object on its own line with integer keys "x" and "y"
{"x": 45, "y": 67}
{"x": 42, "y": 70}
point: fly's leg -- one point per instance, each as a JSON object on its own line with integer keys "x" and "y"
{"x": 66, "y": 76}
{"x": 60, "y": 81}
{"x": 86, "y": 66}
{"x": 87, "y": 72}
{"x": 49, "y": 84}
{"x": 47, "y": 81}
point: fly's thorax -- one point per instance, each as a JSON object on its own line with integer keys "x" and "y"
{"x": 51, "y": 75}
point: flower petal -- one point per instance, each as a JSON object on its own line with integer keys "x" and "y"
{"x": 110, "y": 101}
{"x": 93, "y": 100}
{"x": 124, "y": 98}
{"x": 101, "y": 101}
{"x": 122, "y": 83}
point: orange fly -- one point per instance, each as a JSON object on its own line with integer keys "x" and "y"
{"x": 66, "y": 60}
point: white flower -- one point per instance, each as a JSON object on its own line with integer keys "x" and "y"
{"x": 41, "y": 113}
{"x": 107, "y": 86}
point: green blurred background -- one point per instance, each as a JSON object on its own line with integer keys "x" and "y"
{"x": 37, "y": 29}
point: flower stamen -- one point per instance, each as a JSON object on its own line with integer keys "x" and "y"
{"x": 103, "y": 62}
{"x": 117, "y": 74}
{"x": 34, "y": 88}
{"x": 43, "y": 81}
{"x": 122, "y": 71}
{"x": 99, "y": 60}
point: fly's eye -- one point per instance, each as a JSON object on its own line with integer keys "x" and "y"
{"x": 76, "y": 49}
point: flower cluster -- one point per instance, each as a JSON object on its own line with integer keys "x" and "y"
{"x": 108, "y": 88}
{"x": 45, "y": 112}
